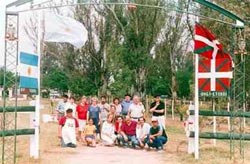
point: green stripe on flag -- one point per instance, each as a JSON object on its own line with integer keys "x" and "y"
{"x": 204, "y": 49}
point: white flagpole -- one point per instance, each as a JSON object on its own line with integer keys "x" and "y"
{"x": 37, "y": 112}
{"x": 214, "y": 121}
{"x": 196, "y": 110}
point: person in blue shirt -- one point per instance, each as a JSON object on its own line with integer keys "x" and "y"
{"x": 125, "y": 104}
{"x": 94, "y": 112}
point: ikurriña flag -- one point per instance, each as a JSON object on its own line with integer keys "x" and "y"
{"x": 205, "y": 43}
{"x": 28, "y": 70}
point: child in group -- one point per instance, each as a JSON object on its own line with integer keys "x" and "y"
{"x": 68, "y": 129}
{"x": 90, "y": 133}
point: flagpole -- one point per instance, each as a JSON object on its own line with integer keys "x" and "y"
{"x": 196, "y": 110}
{"x": 37, "y": 112}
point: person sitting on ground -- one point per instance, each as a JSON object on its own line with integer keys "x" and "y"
{"x": 157, "y": 135}
{"x": 118, "y": 126}
{"x": 90, "y": 133}
{"x": 108, "y": 131}
{"x": 60, "y": 109}
{"x": 81, "y": 110}
{"x": 136, "y": 109}
{"x": 142, "y": 131}
{"x": 128, "y": 132}
{"x": 68, "y": 129}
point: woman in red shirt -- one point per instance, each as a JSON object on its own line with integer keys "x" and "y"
{"x": 81, "y": 110}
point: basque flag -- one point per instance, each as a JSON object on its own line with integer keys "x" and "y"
{"x": 205, "y": 43}
{"x": 28, "y": 70}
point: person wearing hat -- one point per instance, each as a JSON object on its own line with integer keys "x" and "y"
{"x": 68, "y": 129}
{"x": 158, "y": 110}
{"x": 157, "y": 135}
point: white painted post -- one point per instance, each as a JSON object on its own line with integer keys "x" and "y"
{"x": 214, "y": 123}
{"x": 190, "y": 127}
{"x": 37, "y": 111}
{"x": 1, "y": 92}
{"x": 32, "y": 125}
{"x": 10, "y": 93}
{"x": 196, "y": 110}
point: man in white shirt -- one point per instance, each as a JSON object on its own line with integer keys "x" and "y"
{"x": 104, "y": 106}
{"x": 142, "y": 131}
{"x": 136, "y": 109}
{"x": 71, "y": 105}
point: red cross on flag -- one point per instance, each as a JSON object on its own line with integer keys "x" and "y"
{"x": 215, "y": 74}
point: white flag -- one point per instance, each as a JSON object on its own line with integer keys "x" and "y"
{"x": 64, "y": 29}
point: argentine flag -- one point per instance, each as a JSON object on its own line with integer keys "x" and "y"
{"x": 28, "y": 69}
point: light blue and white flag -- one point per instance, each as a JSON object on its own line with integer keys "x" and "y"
{"x": 28, "y": 69}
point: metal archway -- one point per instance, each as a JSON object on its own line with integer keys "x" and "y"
{"x": 10, "y": 122}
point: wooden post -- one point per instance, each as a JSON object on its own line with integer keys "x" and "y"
{"x": 147, "y": 106}
{"x": 214, "y": 121}
{"x": 172, "y": 108}
{"x": 228, "y": 119}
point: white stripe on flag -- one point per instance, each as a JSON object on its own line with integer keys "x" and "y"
{"x": 28, "y": 70}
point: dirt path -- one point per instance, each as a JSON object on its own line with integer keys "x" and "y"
{"x": 115, "y": 155}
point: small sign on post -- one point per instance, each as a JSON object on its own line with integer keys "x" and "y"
{"x": 189, "y": 126}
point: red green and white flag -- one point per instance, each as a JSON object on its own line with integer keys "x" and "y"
{"x": 205, "y": 43}
{"x": 215, "y": 66}
{"x": 215, "y": 74}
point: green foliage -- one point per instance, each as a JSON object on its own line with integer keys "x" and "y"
{"x": 10, "y": 78}
{"x": 55, "y": 78}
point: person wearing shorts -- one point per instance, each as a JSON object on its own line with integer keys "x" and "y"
{"x": 81, "y": 110}
{"x": 90, "y": 133}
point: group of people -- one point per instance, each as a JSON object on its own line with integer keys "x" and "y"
{"x": 119, "y": 123}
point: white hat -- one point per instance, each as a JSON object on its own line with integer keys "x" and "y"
{"x": 154, "y": 119}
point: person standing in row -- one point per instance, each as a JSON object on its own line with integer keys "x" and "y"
{"x": 118, "y": 107}
{"x": 71, "y": 105}
{"x": 60, "y": 109}
{"x": 94, "y": 113}
{"x": 136, "y": 109}
{"x": 81, "y": 110}
{"x": 158, "y": 110}
{"x": 125, "y": 105}
{"x": 104, "y": 106}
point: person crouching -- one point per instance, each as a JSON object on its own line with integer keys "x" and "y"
{"x": 157, "y": 135}
{"x": 68, "y": 129}
{"x": 128, "y": 132}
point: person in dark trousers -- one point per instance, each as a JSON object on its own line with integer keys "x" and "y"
{"x": 157, "y": 136}
{"x": 158, "y": 110}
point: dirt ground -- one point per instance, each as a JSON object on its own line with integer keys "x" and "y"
{"x": 175, "y": 151}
